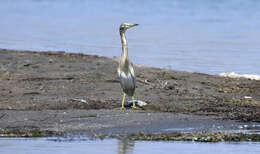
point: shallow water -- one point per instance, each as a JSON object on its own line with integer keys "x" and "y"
{"x": 204, "y": 35}
{"x": 113, "y": 146}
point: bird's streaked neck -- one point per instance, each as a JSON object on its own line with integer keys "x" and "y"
{"x": 124, "y": 45}
{"x": 123, "y": 39}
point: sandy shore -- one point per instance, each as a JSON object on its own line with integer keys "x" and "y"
{"x": 41, "y": 90}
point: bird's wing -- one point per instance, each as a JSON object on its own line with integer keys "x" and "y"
{"x": 122, "y": 77}
{"x": 132, "y": 72}
{"x": 131, "y": 68}
{"x": 127, "y": 81}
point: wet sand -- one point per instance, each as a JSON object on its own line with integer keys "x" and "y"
{"x": 42, "y": 90}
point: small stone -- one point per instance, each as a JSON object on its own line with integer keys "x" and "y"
{"x": 240, "y": 127}
{"x": 50, "y": 60}
{"x": 27, "y": 63}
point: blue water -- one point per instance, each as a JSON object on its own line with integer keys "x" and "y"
{"x": 210, "y": 36}
{"x": 112, "y": 146}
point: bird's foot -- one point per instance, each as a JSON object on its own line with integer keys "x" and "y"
{"x": 135, "y": 107}
{"x": 122, "y": 108}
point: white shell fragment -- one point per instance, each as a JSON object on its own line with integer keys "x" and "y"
{"x": 247, "y": 97}
{"x": 137, "y": 102}
{"x": 79, "y": 100}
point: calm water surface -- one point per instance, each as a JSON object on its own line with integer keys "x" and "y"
{"x": 210, "y": 36}
{"x": 111, "y": 146}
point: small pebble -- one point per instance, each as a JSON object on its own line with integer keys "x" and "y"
{"x": 240, "y": 127}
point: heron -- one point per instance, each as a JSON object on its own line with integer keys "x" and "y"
{"x": 125, "y": 68}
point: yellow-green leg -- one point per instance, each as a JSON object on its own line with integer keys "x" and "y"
{"x": 123, "y": 102}
{"x": 133, "y": 106}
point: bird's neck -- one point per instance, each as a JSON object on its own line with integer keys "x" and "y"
{"x": 124, "y": 46}
{"x": 123, "y": 39}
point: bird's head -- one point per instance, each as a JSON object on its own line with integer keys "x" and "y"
{"x": 124, "y": 26}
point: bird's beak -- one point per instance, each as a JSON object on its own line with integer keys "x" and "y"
{"x": 133, "y": 25}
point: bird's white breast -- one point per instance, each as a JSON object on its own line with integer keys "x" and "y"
{"x": 125, "y": 76}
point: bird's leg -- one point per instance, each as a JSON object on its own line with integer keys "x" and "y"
{"x": 123, "y": 102}
{"x": 133, "y": 100}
